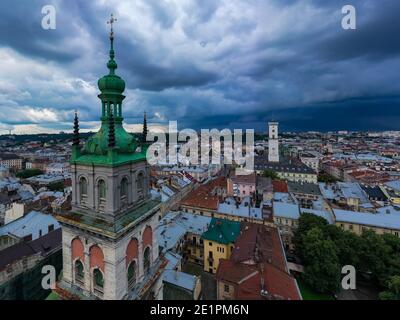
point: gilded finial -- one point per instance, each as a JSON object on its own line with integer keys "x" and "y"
{"x": 111, "y": 22}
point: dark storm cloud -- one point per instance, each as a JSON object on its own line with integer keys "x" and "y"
{"x": 145, "y": 74}
{"x": 206, "y": 63}
{"x": 373, "y": 39}
{"x": 20, "y": 29}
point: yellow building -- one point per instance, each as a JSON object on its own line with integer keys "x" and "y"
{"x": 357, "y": 222}
{"x": 219, "y": 242}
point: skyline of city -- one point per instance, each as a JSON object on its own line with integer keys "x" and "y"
{"x": 219, "y": 65}
{"x": 217, "y": 152}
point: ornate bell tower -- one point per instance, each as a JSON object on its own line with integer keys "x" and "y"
{"x": 110, "y": 249}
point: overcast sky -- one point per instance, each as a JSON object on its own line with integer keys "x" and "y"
{"x": 205, "y": 63}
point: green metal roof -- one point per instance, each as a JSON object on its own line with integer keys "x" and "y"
{"x": 104, "y": 160}
{"x": 98, "y": 143}
{"x": 97, "y": 150}
{"x": 222, "y": 231}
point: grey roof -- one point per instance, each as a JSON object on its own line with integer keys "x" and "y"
{"x": 293, "y": 211}
{"x": 320, "y": 213}
{"x": 30, "y": 224}
{"x": 374, "y": 192}
{"x": 389, "y": 210}
{"x": 180, "y": 279}
{"x": 286, "y": 210}
{"x": 244, "y": 209}
{"x": 175, "y": 225}
{"x": 9, "y": 198}
{"x": 395, "y": 185}
{"x": 305, "y": 188}
{"x": 44, "y": 245}
{"x": 174, "y": 259}
{"x": 353, "y": 190}
{"x": 290, "y": 165}
{"x": 264, "y": 184}
{"x": 388, "y": 221}
{"x": 328, "y": 190}
{"x": 9, "y": 156}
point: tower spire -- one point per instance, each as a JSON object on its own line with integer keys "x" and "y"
{"x": 145, "y": 131}
{"x": 112, "y": 65}
{"x": 76, "y": 139}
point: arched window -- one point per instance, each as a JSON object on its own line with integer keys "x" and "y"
{"x": 98, "y": 281}
{"x": 132, "y": 274}
{"x": 140, "y": 181}
{"x": 140, "y": 185}
{"x": 124, "y": 188}
{"x": 83, "y": 188}
{"x": 77, "y": 255}
{"x": 102, "y": 189}
{"x": 79, "y": 273}
{"x": 102, "y": 192}
{"x": 146, "y": 260}
{"x": 97, "y": 265}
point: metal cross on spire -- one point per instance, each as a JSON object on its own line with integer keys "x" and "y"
{"x": 111, "y": 22}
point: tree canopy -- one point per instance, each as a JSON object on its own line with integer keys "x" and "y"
{"x": 28, "y": 173}
{"x": 325, "y": 249}
{"x": 270, "y": 174}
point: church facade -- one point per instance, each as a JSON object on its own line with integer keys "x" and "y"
{"x": 110, "y": 248}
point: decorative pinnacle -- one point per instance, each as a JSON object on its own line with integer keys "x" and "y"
{"x": 76, "y": 140}
{"x": 145, "y": 130}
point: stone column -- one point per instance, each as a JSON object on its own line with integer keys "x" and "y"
{"x": 111, "y": 194}
{"x": 121, "y": 270}
{"x": 86, "y": 265}
{"x": 110, "y": 283}
{"x": 154, "y": 246}
{"x": 134, "y": 186}
{"x": 67, "y": 263}
{"x": 75, "y": 184}
{"x": 92, "y": 189}
{"x": 140, "y": 259}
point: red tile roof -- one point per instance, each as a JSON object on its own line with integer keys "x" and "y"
{"x": 258, "y": 259}
{"x": 280, "y": 186}
{"x": 250, "y": 280}
{"x": 259, "y": 243}
{"x": 244, "y": 179}
{"x": 204, "y": 197}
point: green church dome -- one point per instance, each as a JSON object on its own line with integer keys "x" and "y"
{"x": 111, "y": 84}
{"x": 111, "y": 87}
